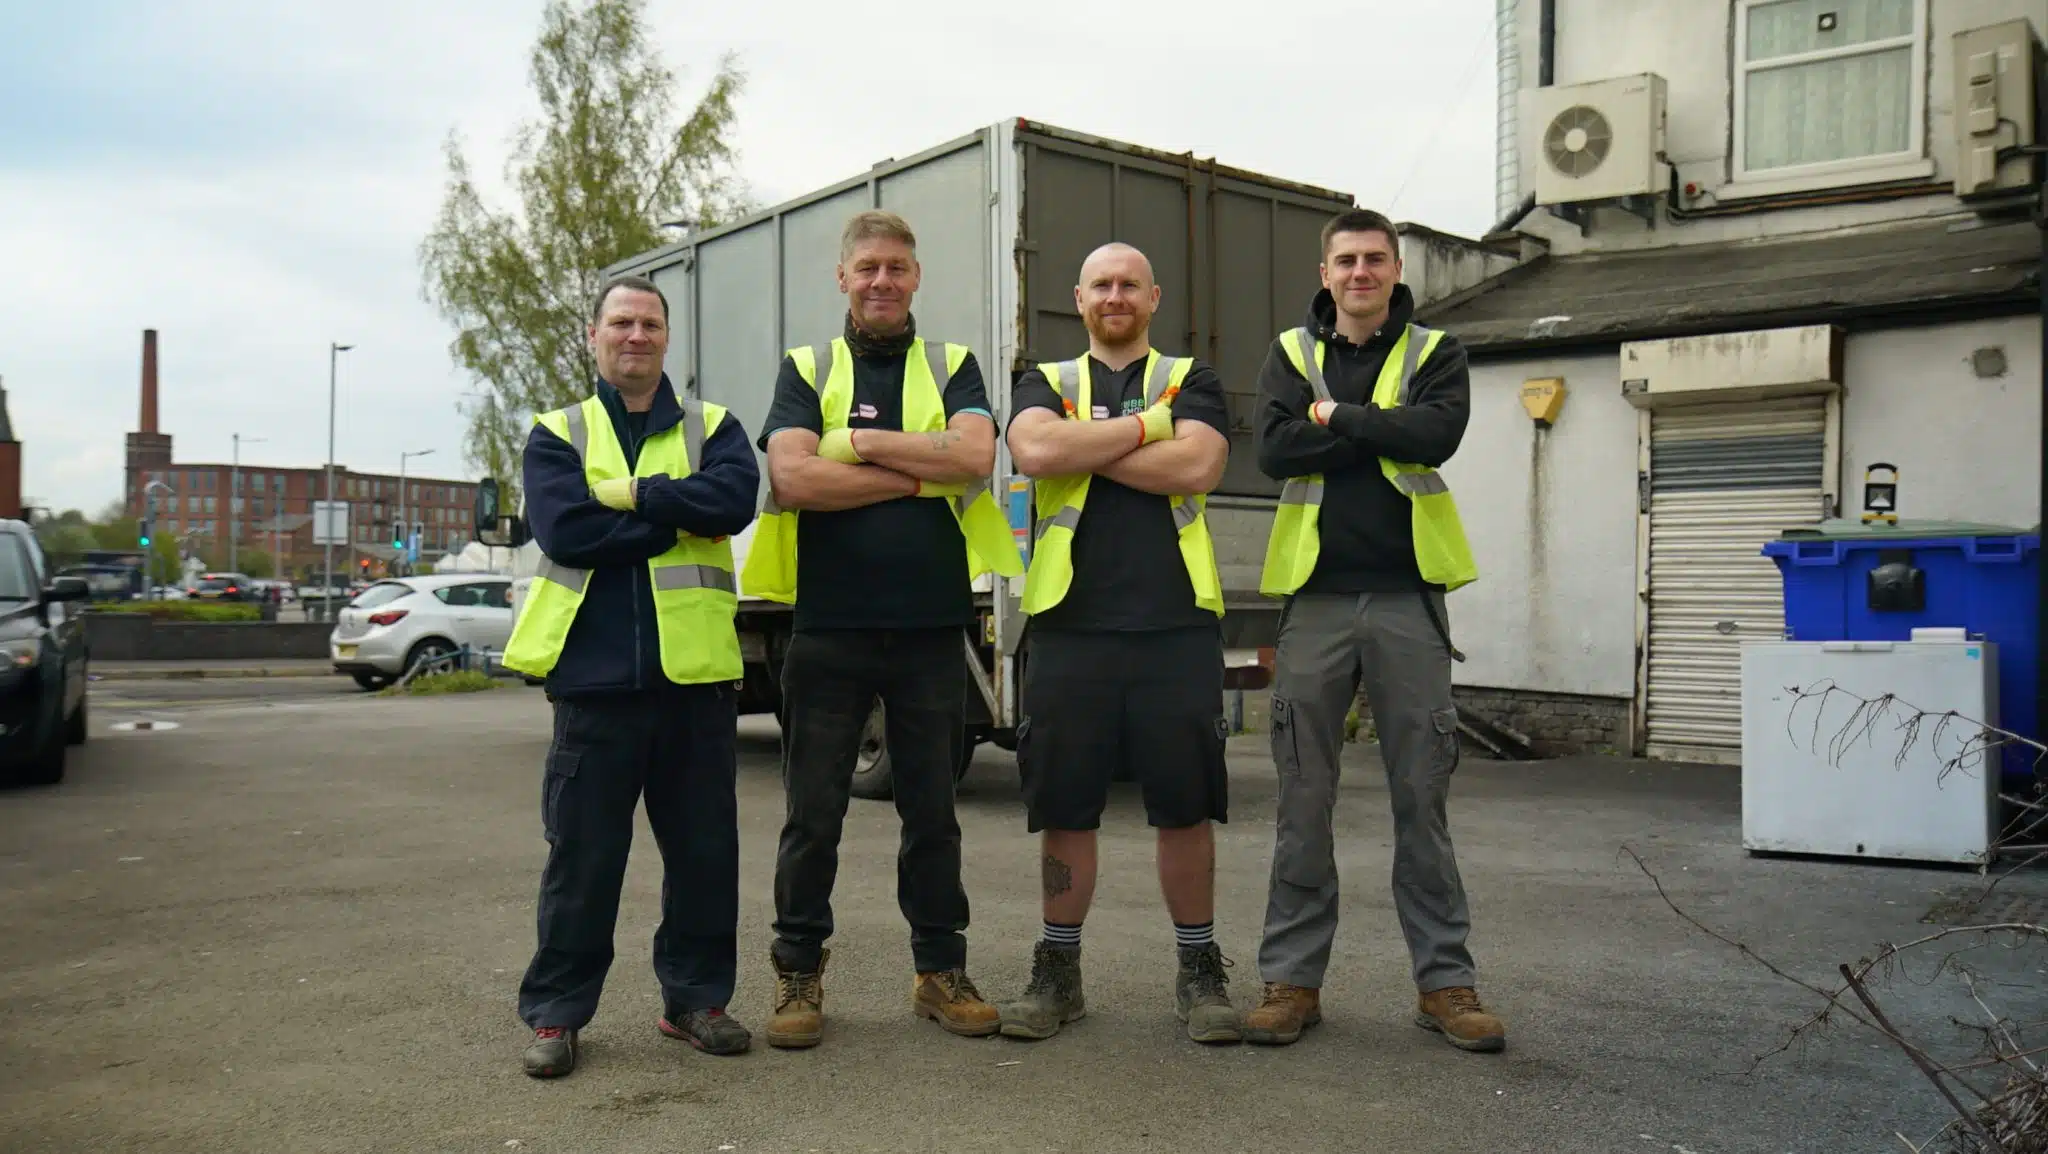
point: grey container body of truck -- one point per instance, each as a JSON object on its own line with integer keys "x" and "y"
{"x": 1003, "y": 218}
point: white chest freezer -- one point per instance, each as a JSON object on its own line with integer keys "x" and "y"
{"x": 1870, "y": 749}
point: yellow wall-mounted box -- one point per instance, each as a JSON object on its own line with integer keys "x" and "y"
{"x": 1543, "y": 397}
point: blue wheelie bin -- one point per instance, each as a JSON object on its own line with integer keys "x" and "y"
{"x": 1847, "y": 581}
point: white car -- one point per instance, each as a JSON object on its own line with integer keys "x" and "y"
{"x": 397, "y": 623}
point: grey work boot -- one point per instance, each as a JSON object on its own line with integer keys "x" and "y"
{"x": 1201, "y": 996}
{"x": 1053, "y": 997}
{"x": 552, "y": 1052}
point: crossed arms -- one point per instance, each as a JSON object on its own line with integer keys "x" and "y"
{"x": 1045, "y": 444}
{"x": 892, "y": 464}
{"x": 573, "y": 527}
{"x": 1183, "y": 455}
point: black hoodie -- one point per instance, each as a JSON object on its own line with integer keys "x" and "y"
{"x": 1365, "y": 524}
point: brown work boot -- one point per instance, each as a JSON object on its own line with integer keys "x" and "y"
{"x": 1457, "y": 1015}
{"x": 799, "y": 1019}
{"x": 949, "y": 998}
{"x": 1282, "y": 1014}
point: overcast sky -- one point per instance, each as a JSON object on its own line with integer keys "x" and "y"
{"x": 253, "y": 180}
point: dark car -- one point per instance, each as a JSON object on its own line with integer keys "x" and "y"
{"x": 223, "y": 587}
{"x": 42, "y": 661}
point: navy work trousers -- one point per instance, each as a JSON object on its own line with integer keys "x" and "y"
{"x": 674, "y": 747}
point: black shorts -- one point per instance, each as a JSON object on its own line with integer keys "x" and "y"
{"x": 1148, "y": 704}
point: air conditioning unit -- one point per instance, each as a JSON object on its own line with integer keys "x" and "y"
{"x": 1596, "y": 141}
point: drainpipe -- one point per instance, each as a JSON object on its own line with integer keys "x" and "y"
{"x": 2041, "y": 608}
{"x": 1546, "y": 75}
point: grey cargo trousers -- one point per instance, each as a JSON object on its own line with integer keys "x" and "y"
{"x": 1328, "y": 645}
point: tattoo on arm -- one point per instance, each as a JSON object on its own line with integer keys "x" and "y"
{"x": 1058, "y": 877}
{"x": 943, "y": 439}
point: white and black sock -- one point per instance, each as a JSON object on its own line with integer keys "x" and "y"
{"x": 1194, "y": 937}
{"x": 1064, "y": 936}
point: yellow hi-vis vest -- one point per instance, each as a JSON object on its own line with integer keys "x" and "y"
{"x": 770, "y": 571}
{"x": 1441, "y": 550}
{"x": 1060, "y": 499}
{"x": 695, "y": 601}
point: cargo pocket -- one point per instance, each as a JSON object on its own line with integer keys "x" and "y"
{"x": 1447, "y": 752}
{"x": 1304, "y": 846}
{"x": 562, "y": 765}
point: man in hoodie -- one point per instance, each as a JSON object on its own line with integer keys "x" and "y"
{"x": 1361, "y": 407}
{"x": 632, "y": 494}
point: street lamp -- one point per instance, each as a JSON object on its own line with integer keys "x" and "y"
{"x": 404, "y": 530}
{"x": 334, "y": 352}
{"x": 235, "y": 496}
{"x": 149, "y": 492}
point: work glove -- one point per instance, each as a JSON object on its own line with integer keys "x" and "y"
{"x": 1157, "y": 422}
{"x": 616, "y": 493}
{"x": 837, "y": 445}
{"x": 941, "y": 489}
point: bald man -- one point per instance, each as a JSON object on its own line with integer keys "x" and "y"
{"x": 1123, "y": 673}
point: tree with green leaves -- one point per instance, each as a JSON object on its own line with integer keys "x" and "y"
{"x": 604, "y": 166}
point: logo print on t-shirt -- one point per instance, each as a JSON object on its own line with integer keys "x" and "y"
{"x": 1101, "y": 412}
{"x": 865, "y": 412}
{"x": 1134, "y": 405}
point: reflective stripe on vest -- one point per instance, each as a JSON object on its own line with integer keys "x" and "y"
{"x": 695, "y": 600}
{"x": 770, "y": 570}
{"x": 1051, "y": 572}
{"x": 1441, "y": 550}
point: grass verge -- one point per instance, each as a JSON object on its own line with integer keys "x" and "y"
{"x": 206, "y": 611}
{"x": 432, "y": 684}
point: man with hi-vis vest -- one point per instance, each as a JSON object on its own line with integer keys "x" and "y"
{"x": 632, "y": 494}
{"x": 1361, "y": 407}
{"x": 880, "y": 445}
{"x": 1124, "y": 665}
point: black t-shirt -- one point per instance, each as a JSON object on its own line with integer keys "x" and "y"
{"x": 899, "y": 564}
{"x": 1128, "y": 572}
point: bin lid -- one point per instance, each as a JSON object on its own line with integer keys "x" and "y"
{"x": 1853, "y": 529}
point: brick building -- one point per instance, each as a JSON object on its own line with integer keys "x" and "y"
{"x": 270, "y": 508}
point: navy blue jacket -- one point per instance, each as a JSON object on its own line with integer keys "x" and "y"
{"x": 613, "y": 646}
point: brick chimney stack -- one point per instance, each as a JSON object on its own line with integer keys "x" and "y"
{"x": 149, "y": 451}
{"x": 10, "y": 463}
{"x": 148, "y": 424}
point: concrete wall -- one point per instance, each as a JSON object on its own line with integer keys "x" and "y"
{"x": 1552, "y": 515}
{"x": 1689, "y": 43}
{"x": 1552, "y": 519}
{"x": 1968, "y": 447}
{"x": 1436, "y": 264}
{"x": 134, "y": 637}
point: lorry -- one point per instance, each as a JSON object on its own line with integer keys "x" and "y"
{"x": 1004, "y": 216}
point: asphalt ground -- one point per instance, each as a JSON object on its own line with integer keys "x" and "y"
{"x": 296, "y": 922}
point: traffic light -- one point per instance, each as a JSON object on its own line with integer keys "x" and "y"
{"x": 145, "y": 532}
{"x": 398, "y": 535}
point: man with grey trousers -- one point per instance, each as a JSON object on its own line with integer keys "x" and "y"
{"x": 1361, "y": 406}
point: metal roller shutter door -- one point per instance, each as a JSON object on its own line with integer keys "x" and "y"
{"x": 1724, "y": 479}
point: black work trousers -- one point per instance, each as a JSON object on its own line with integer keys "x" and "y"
{"x": 674, "y": 747}
{"x": 830, "y": 680}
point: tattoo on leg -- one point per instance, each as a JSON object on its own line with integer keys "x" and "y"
{"x": 1058, "y": 877}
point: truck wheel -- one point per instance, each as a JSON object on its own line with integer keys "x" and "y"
{"x": 872, "y": 778}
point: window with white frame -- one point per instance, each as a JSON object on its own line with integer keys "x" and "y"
{"x": 1828, "y": 86}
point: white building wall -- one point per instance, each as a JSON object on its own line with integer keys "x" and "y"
{"x": 1968, "y": 448}
{"x": 1551, "y": 515}
{"x": 1690, "y": 44}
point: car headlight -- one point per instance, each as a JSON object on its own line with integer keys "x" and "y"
{"x": 19, "y": 654}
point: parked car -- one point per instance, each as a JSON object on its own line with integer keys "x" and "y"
{"x": 223, "y": 587}
{"x": 398, "y": 623}
{"x": 43, "y": 661}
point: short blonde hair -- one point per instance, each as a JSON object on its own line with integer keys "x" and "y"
{"x": 871, "y": 224}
